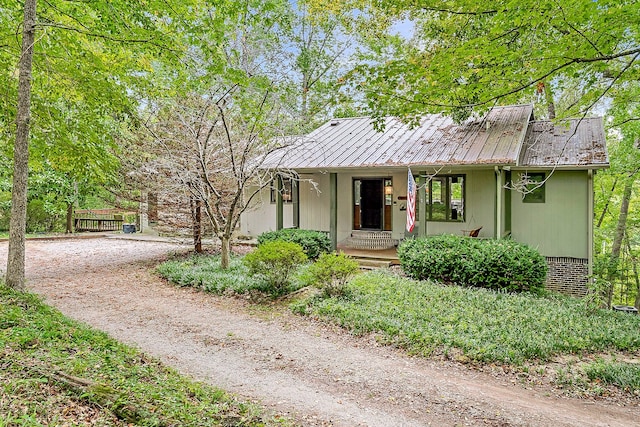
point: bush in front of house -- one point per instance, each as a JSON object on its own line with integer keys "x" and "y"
{"x": 313, "y": 242}
{"x": 275, "y": 262}
{"x": 331, "y": 272}
{"x": 494, "y": 264}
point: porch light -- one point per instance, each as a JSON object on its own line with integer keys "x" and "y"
{"x": 388, "y": 190}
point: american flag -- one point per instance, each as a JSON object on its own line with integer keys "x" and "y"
{"x": 411, "y": 202}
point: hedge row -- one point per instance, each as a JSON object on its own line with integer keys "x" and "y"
{"x": 493, "y": 264}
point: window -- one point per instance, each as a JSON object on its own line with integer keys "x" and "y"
{"x": 445, "y": 198}
{"x": 534, "y": 183}
{"x": 287, "y": 193}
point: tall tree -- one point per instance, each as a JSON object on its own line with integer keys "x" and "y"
{"x": 320, "y": 52}
{"x": 226, "y": 113}
{"x": 17, "y": 228}
{"x": 88, "y": 57}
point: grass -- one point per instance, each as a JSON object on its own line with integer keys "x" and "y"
{"x": 486, "y": 326}
{"x": 38, "y": 346}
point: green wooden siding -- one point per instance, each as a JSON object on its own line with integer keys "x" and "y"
{"x": 559, "y": 226}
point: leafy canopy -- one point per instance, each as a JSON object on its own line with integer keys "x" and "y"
{"x": 466, "y": 56}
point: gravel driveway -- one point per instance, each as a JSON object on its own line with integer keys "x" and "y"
{"x": 316, "y": 373}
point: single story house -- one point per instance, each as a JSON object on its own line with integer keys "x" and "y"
{"x": 506, "y": 174}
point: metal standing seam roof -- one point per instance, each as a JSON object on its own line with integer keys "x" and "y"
{"x": 496, "y": 139}
{"x": 573, "y": 143}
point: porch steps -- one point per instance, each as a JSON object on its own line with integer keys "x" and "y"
{"x": 370, "y": 240}
{"x": 372, "y": 264}
{"x": 372, "y": 259}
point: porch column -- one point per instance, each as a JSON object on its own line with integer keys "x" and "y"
{"x": 507, "y": 203}
{"x": 499, "y": 204}
{"x": 279, "y": 203}
{"x": 295, "y": 198}
{"x": 333, "y": 208}
{"x": 422, "y": 204}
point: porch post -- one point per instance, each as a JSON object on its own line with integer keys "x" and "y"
{"x": 333, "y": 215}
{"x": 279, "y": 203}
{"x": 295, "y": 197}
{"x": 499, "y": 203}
{"x": 422, "y": 204}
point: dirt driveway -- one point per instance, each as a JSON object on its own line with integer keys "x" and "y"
{"x": 318, "y": 374}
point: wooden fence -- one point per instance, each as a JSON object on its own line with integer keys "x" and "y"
{"x": 99, "y": 219}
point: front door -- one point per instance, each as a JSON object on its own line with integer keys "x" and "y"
{"x": 369, "y": 204}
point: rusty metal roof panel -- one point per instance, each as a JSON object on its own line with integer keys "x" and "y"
{"x": 572, "y": 143}
{"x": 496, "y": 139}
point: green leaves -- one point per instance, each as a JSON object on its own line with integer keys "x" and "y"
{"x": 275, "y": 261}
{"x": 481, "y": 55}
{"x": 313, "y": 243}
{"x": 494, "y": 264}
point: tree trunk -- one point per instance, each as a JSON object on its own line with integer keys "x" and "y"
{"x": 621, "y": 228}
{"x": 18, "y": 222}
{"x": 225, "y": 252}
{"x": 636, "y": 276}
{"x": 197, "y": 227}
{"x": 606, "y": 205}
{"x": 548, "y": 98}
{"x": 69, "y": 217}
{"x": 305, "y": 95}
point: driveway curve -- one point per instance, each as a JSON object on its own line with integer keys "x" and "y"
{"x": 318, "y": 374}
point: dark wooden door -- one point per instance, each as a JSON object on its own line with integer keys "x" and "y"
{"x": 371, "y": 204}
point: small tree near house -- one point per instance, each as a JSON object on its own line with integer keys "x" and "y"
{"x": 212, "y": 150}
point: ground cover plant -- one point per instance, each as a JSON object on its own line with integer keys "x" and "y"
{"x": 204, "y": 272}
{"x": 486, "y": 326}
{"x": 620, "y": 374}
{"x": 493, "y": 264}
{"x": 54, "y": 371}
{"x": 470, "y": 325}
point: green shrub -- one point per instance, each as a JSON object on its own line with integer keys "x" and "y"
{"x": 313, "y": 242}
{"x": 331, "y": 272}
{"x": 494, "y": 264}
{"x": 275, "y": 261}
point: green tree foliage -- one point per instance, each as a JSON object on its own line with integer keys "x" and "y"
{"x": 88, "y": 57}
{"x": 466, "y": 56}
{"x": 319, "y": 52}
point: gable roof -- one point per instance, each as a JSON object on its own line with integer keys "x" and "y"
{"x": 348, "y": 143}
{"x": 574, "y": 143}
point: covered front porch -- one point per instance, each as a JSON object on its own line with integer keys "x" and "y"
{"x": 366, "y": 209}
